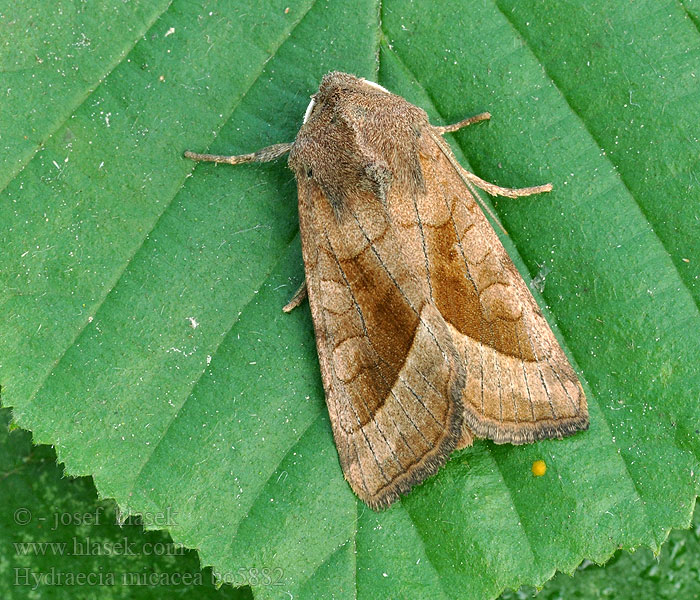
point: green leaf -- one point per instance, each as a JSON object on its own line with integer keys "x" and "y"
{"x": 671, "y": 574}
{"x": 58, "y": 542}
{"x": 114, "y": 247}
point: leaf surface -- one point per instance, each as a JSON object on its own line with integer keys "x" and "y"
{"x": 143, "y": 334}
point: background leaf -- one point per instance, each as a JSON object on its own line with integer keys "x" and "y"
{"x": 671, "y": 574}
{"x": 41, "y": 542}
{"x": 58, "y": 541}
{"x": 114, "y": 247}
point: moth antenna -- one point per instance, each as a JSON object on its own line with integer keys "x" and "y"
{"x": 467, "y": 181}
{"x": 263, "y": 155}
{"x": 483, "y": 204}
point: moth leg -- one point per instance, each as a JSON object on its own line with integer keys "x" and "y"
{"x": 263, "y": 155}
{"x": 485, "y": 116}
{"x": 496, "y": 190}
{"x": 297, "y": 298}
{"x": 472, "y": 180}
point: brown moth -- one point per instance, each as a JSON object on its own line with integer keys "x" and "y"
{"x": 427, "y": 335}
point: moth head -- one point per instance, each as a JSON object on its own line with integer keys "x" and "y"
{"x": 335, "y": 84}
{"x": 375, "y": 85}
{"x": 310, "y": 108}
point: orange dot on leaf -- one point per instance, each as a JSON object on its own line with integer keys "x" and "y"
{"x": 539, "y": 468}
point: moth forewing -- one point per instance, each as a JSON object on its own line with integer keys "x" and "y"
{"x": 426, "y": 333}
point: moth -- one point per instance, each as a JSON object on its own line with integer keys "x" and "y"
{"x": 427, "y": 335}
